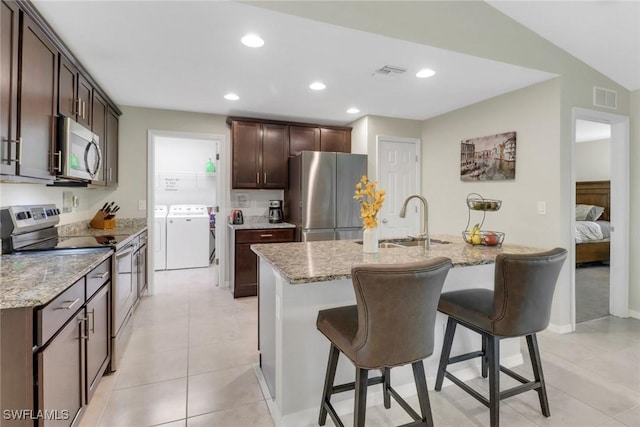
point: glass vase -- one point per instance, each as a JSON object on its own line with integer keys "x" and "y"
{"x": 370, "y": 240}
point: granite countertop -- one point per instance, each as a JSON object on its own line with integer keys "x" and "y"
{"x": 302, "y": 262}
{"x": 31, "y": 279}
{"x": 258, "y": 222}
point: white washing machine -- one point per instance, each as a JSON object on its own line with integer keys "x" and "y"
{"x": 160, "y": 233}
{"x": 187, "y": 236}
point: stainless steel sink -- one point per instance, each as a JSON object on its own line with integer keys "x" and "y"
{"x": 403, "y": 243}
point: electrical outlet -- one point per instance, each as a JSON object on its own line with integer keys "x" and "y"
{"x": 142, "y": 205}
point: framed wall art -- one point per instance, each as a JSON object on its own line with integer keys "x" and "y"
{"x": 488, "y": 158}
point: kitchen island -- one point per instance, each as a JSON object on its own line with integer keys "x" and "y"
{"x": 296, "y": 280}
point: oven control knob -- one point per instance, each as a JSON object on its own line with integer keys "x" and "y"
{"x": 57, "y": 211}
{"x": 49, "y": 213}
{"x": 21, "y": 215}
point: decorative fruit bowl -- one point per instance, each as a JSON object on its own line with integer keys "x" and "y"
{"x": 484, "y": 204}
{"x": 483, "y": 238}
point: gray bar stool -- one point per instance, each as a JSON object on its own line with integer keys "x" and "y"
{"x": 519, "y": 305}
{"x": 391, "y": 325}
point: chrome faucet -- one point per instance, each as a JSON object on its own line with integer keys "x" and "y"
{"x": 425, "y": 224}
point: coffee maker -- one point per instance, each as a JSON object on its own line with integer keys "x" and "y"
{"x": 276, "y": 215}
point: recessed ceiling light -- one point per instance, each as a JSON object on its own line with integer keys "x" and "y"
{"x": 231, "y": 97}
{"x": 353, "y": 110}
{"x": 317, "y": 86}
{"x": 252, "y": 40}
{"x": 424, "y": 73}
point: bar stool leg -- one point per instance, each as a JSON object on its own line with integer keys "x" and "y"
{"x": 361, "y": 397}
{"x": 485, "y": 366}
{"x": 328, "y": 383}
{"x": 493, "y": 344}
{"x": 423, "y": 392}
{"x": 446, "y": 351}
{"x": 386, "y": 383}
{"x": 536, "y": 364}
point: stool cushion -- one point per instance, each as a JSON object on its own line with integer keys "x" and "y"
{"x": 340, "y": 326}
{"x": 473, "y": 306}
{"x": 393, "y": 320}
{"x": 520, "y": 303}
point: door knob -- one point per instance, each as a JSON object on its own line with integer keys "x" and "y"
{"x": 384, "y": 221}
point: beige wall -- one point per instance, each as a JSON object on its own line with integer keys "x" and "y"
{"x": 534, "y": 113}
{"x": 134, "y": 124}
{"x": 593, "y": 160}
{"x": 634, "y": 160}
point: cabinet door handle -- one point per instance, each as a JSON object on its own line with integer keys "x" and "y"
{"x": 77, "y": 107}
{"x": 108, "y": 174}
{"x": 19, "y": 159}
{"x": 265, "y": 178}
{"x": 257, "y": 177}
{"x": 92, "y": 313}
{"x": 58, "y": 168}
{"x": 266, "y": 235}
{"x": 102, "y": 275}
{"x": 84, "y": 109}
{"x": 83, "y": 328}
{"x": 68, "y": 307}
{"x": 18, "y": 156}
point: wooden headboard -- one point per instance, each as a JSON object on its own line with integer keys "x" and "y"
{"x": 595, "y": 193}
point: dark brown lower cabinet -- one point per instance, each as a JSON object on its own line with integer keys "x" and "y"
{"x": 98, "y": 338}
{"x": 245, "y": 281}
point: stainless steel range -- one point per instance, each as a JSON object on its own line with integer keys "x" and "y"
{"x": 28, "y": 228}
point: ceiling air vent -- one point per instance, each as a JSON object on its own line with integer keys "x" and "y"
{"x": 605, "y": 98}
{"x": 389, "y": 71}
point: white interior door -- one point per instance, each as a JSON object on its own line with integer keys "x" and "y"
{"x": 398, "y": 174}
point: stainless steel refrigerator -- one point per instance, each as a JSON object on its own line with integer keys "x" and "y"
{"x": 319, "y": 200}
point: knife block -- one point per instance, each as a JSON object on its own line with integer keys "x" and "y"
{"x": 101, "y": 223}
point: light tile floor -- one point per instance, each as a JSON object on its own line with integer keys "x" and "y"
{"x": 190, "y": 364}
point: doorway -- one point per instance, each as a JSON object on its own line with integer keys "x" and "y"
{"x": 619, "y": 215}
{"x": 398, "y": 173}
{"x": 593, "y": 208}
{"x": 182, "y": 170}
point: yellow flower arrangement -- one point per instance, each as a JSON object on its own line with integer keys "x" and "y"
{"x": 370, "y": 201}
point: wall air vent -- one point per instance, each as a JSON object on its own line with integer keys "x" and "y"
{"x": 605, "y": 98}
{"x": 389, "y": 71}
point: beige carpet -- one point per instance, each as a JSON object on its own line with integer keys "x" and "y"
{"x": 592, "y": 292}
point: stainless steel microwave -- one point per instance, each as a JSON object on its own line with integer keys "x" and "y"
{"x": 79, "y": 155}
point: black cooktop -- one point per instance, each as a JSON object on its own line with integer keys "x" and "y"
{"x": 78, "y": 242}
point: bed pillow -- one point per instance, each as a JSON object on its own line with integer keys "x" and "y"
{"x": 588, "y": 212}
{"x": 595, "y": 213}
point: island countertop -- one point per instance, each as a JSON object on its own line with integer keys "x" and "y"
{"x": 306, "y": 262}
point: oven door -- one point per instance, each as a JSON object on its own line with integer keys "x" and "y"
{"x": 80, "y": 156}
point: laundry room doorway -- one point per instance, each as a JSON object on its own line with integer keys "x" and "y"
{"x": 183, "y": 193}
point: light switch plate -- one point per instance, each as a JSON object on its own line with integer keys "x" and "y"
{"x": 142, "y": 205}
{"x": 542, "y": 208}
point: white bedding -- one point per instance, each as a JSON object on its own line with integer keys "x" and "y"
{"x": 587, "y": 231}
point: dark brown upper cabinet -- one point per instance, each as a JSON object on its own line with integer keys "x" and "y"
{"x": 75, "y": 94}
{"x": 9, "y": 35}
{"x": 338, "y": 140}
{"x": 111, "y": 161}
{"x": 259, "y": 155}
{"x": 303, "y": 138}
{"x": 37, "y": 99}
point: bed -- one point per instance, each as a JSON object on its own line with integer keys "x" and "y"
{"x": 593, "y": 247}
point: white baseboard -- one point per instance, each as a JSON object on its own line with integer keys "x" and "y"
{"x": 560, "y": 329}
{"x": 635, "y": 314}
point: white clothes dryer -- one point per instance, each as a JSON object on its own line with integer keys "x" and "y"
{"x": 160, "y": 234}
{"x": 187, "y": 236}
